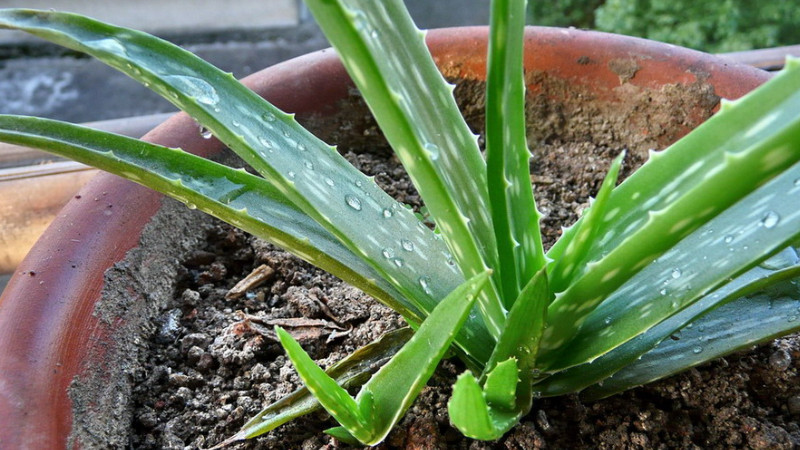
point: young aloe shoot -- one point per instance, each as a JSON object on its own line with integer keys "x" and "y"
{"x": 703, "y": 232}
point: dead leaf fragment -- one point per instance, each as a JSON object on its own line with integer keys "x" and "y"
{"x": 257, "y": 277}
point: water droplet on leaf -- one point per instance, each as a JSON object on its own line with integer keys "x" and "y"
{"x": 407, "y": 245}
{"x": 353, "y": 202}
{"x": 194, "y": 87}
{"x": 770, "y": 219}
{"x": 432, "y": 149}
{"x": 425, "y": 282}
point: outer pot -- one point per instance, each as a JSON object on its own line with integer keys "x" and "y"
{"x": 50, "y": 334}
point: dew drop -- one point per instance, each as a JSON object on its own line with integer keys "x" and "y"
{"x": 791, "y": 319}
{"x": 329, "y": 182}
{"x": 728, "y": 239}
{"x": 432, "y": 149}
{"x": 205, "y": 133}
{"x": 607, "y": 320}
{"x": 265, "y": 143}
{"x": 797, "y": 182}
{"x": 697, "y": 350}
{"x": 770, "y": 219}
{"x": 398, "y": 262}
{"x": 268, "y": 117}
{"x": 308, "y": 165}
{"x": 353, "y": 202}
{"x": 407, "y": 245}
{"x": 236, "y": 124}
{"x": 424, "y": 282}
{"x": 194, "y": 87}
{"x": 301, "y": 147}
{"x": 388, "y": 253}
{"x": 782, "y": 260}
{"x": 291, "y": 174}
{"x": 663, "y": 292}
{"x": 387, "y": 213}
{"x": 676, "y": 273}
{"x": 191, "y": 206}
{"x": 110, "y": 45}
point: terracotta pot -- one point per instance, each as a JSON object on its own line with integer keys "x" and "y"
{"x": 50, "y": 334}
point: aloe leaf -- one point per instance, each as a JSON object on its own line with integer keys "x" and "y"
{"x": 331, "y": 396}
{"x": 395, "y": 386}
{"x": 740, "y": 126}
{"x": 749, "y": 142}
{"x": 471, "y": 414}
{"x": 769, "y": 315}
{"x": 392, "y": 389}
{"x": 507, "y": 394}
{"x": 514, "y": 214}
{"x": 244, "y": 200}
{"x": 316, "y": 179}
{"x": 386, "y": 56}
{"x": 524, "y": 326}
{"x": 467, "y": 407}
{"x": 577, "y": 250}
{"x": 351, "y": 371}
{"x": 773, "y": 275}
{"x": 500, "y": 387}
{"x": 745, "y": 234}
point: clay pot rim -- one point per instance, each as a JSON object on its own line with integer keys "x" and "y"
{"x": 46, "y": 318}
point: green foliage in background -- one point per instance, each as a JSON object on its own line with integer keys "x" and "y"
{"x": 720, "y": 26}
{"x": 564, "y": 13}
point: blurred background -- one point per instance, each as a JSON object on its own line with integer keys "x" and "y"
{"x": 243, "y": 36}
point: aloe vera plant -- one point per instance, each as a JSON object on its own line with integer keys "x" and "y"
{"x": 703, "y": 231}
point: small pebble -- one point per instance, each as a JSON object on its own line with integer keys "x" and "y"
{"x": 780, "y": 360}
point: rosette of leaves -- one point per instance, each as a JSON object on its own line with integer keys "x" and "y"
{"x": 699, "y": 241}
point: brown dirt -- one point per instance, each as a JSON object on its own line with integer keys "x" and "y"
{"x": 207, "y": 365}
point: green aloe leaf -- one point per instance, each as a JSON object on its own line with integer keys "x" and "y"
{"x": 388, "y": 394}
{"x": 500, "y": 387}
{"x": 308, "y": 172}
{"x": 507, "y": 394}
{"x": 246, "y": 201}
{"x": 745, "y": 234}
{"x": 769, "y": 314}
{"x": 354, "y": 370}
{"x": 387, "y": 58}
{"x": 514, "y": 214}
{"x": 525, "y": 326}
{"x": 576, "y": 251}
{"x": 330, "y": 394}
{"x": 471, "y": 411}
{"x": 773, "y": 277}
{"x": 749, "y": 142}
